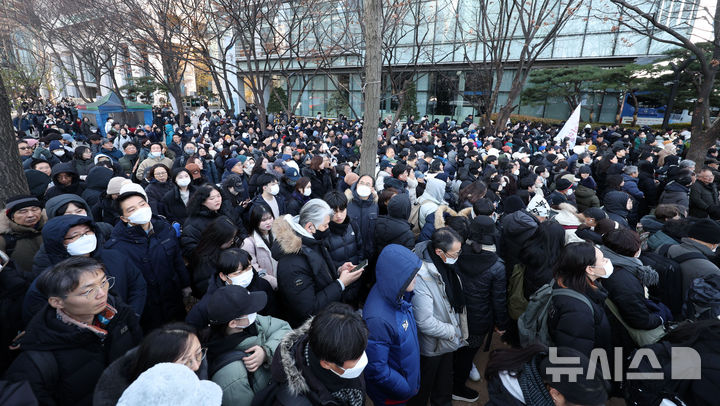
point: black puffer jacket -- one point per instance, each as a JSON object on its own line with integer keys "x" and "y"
{"x": 394, "y": 228}
{"x": 155, "y": 191}
{"x": 193, "y": 229}
{"x": 616, "y": 206}
{"x": 77, "y": 186}
{"x": 96, "y": 184}
{"x": 344, "y": 243}
{"x": 517, "y": 228}
{"x": 307, "y": 278}
{"x": 172, "y": 206}
{"x": 482, "y": 274}
{"x": 320, "y": 181}
{"x": 79, "y": 355}
{"x": 676, "y": 193}
{"x": 646, "y": 183}
{"x": 364, "y": 213}
{"x": 572, "y": 324}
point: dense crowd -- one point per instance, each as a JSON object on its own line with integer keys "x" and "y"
{"x": 220, "y": 262}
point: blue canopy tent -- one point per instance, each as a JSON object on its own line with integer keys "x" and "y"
{"x": 109, "y": 106}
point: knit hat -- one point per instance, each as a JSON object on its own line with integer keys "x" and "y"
{"x": 482, "y": 229}
{"x": 16, "y": 203}
{"x": 132, "y": 188}
{"x": 563, "y": 184}
{"x": 705, "y": 230}
{"x": 512, "y": 203}
{"x": 194, "y": 170}
{"x": 55, "y": 144}
{"x": 242, "y": 158}
{"x": 114, "y": 185}
{"x": 168, "y": 383}
{"x": 230, "y": 163}
{"x": 351, "y": 178}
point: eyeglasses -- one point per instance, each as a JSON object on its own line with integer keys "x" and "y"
{"x": 92, "y": 292}
{"x": 76, "y": 236}
{"x": 198, "y": 358}
{"x": 455, "y": 255}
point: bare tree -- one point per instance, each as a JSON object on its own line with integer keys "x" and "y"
{"x": 15, "y": 182}
{"x": 696, "y": 24}
{"x": 498, "y": 34}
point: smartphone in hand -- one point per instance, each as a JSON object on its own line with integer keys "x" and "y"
{"x": 361, "y": 265}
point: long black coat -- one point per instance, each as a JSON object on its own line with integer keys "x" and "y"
{"x": 79, "y": 354}
{"x": 364, "y": 213}
{"x": 307, "y": 279}
{"x": 483, "y": 278}
{"x": 172, "y": 206}
{"x": 394, "y": 228}
{"x": 193, "y": 229}
{"x": 155, "y": 192}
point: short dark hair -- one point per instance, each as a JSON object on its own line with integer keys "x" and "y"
{"x": 64, "y": 277}
{"x": 460, "y": 224}
{"x": 338, "y": 334}
{"x": 265, "y": 179}
{"x": 483, "y": 207}
{"x": 570, "y": 268}
{"x": 623, "y": 241}
{"x": 229, "y": 260}
{"x": 336, "y": 200}
{"x": 444, "y": 238}
{"x": 151, "y": 172}
{"x": 668, "y": 211}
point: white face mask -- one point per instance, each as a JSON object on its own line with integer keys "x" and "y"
{"x": 307, "y": 191}
{"x": 608, "y": 267}
{"x": 141, "y": 216}
{"x": 274, "y": 189}
{"x": 59, "y": 152}
{"x": 516, "y": 172}
{"x": 355, "y": 371}
{"x": 363, "y": 191}
{"x": 155, "y": 154}
{"x": 83, "y": 245}
{"x": 569, "y": 192}
{"x": 248, "y": 169}
{"x": 243, "y": 279}
{"x": 183, "y": 182}
{"x": 250, "y": 318}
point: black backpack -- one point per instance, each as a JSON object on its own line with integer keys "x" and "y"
{"x": 703, "y": 299}
{"x": 223, "y": 360}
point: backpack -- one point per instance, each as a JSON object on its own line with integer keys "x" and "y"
{"x": 415, "y": 217}
{"x": 703, "y": 299}
{"x": 224, "y": 360}
{"x": 669, "y": 289}
{"x": 516, "y": 301}
{"x": 533, "y": 323}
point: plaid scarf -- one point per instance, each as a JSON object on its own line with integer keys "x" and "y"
{"x": 99, "y": 324}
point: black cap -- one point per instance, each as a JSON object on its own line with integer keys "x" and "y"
{"x": 483, "y": 230}
{"x": 562, "y": 185}
{"x": 595, "y": 213}
{"x": 231, "y": 302}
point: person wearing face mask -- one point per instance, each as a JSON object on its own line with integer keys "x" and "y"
{"x": 439, "y": 308}
{"x": 300, "y": 195}
{"x": 189, "y": 151}
{"x": 173, "y": 204}
{"x": 571, "y": 323}
{"x": 242, "y": 343}
{"x": 312, "y": 367}
{"x": 628, "y": 285}
{"x": 258, "y": 243}
{"x": 233, "y": 267}
{"x": 72, "y": 235}
{"x": 155, "y": 156}
{"x": 362, "y": 208}
{"x": 151, "y": 244}
{"x": 307, "y": 277}
{"x": 270, "y": 196}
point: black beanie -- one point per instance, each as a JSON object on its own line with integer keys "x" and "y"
{"x": 705, "y": 230}
{"x": 16, "y": 203}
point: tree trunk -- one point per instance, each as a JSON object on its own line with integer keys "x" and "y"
{"x": 14, "y": 182}
{"x": 373, "y": 65}
{"x": 700, "y": 143}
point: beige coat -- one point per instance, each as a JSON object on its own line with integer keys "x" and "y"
{"x": 261, "y": 257}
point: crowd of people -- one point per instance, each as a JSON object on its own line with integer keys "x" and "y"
{"x": 220, "y": 262}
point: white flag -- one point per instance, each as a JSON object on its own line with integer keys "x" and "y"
{"x": 570, "y": 128}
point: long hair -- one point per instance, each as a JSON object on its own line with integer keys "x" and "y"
{"x": 197, "y": 199}
{"x": 257, "y": 213}
{"x": 511, "y": 360}
{"x": 473, "y": 192}
{"x": 165, "y": 344}
{"x": 220, "y": 231}
{"x": 542, "y": 250}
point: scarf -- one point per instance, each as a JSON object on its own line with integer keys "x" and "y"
{"x": 646, "y": 275}
{"x": 99, "y": 324}
{"x": 533, "y": 387}
{"x": 222, "y": 345}
{"x": 453, "y": 287}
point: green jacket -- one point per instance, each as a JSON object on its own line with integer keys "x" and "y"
{"x": 233, "y": 378}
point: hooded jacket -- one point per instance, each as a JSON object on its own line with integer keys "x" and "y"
{"x": 129, "y": 282}
{"x": 675, "y": 193}
{"x": 53, "y": 206}
{"x": 77, "y": 186}
{"x": 96, "y": 184}
{"x": 298, "y": 384}
{"x": 585, "y": 198}
{"x": 394, "y": 227}
{"x": 37, "y": 182}
{"x": 517, "y": 228}
{"x": 307, "y": 279}
{"x": 157, "y": 255}
{"x": 434, "y": 195}
{"x": 80, "y": 355}
{"x": 631, "y": 187}
{"x": 238, "y": 385}
{"x": 27, "y": 241}
{"x": 438, "y": 324}
{"x": 693, "y": 268}
{"x": 365, "y": 214}
{"x": 393, "y": 351}
{"x": 616, "y": 206}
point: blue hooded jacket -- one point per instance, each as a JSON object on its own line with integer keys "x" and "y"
{"x": 129, "y": 283}
{"x": 393, "y": 351}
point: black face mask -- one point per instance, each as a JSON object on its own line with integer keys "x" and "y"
{"x": 319, "y": 235}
